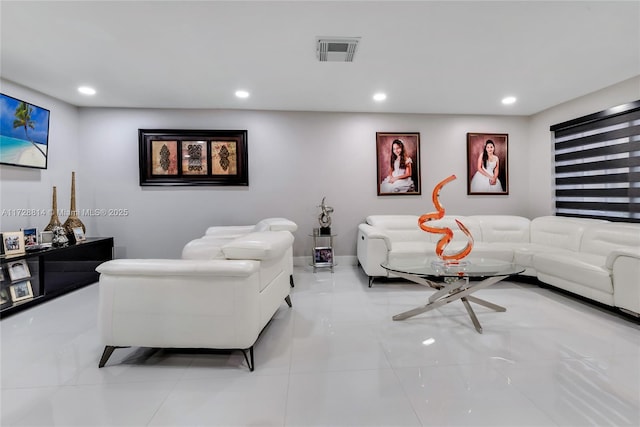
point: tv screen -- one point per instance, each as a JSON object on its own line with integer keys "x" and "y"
{"x": 24, "y": 133}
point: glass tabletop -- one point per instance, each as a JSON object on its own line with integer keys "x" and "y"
{"x": 435, "y": 267}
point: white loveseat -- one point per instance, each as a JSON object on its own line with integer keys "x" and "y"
{"x": 221, "y": 303}
{"x": 599, "y": 260}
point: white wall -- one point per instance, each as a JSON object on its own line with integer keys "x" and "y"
{"x": 295, "y": 158}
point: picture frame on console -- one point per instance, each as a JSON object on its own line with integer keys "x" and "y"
{"x": 46, "y": 239}
{"x": 5, "y": 299}
{"x": 487, "y": 163}
{"x": 21, "y": 291}
{"x": 398, "y": 163}
{"x": 13, "y": 242}
{"x": 173, "y": 157}
{"x": 78, "y": 234}
{"x": 19, "y": 270}
{"x": 30, "y": 237}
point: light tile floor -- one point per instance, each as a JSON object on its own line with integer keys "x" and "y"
{"x": 337, "y": 359}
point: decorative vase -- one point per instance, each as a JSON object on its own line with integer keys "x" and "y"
{"x": 54, "y": 221}
{"x": 447, "y": 259}
{"x": 73, "y": 221}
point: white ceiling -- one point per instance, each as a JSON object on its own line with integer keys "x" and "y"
{"x": 449, "y": 57}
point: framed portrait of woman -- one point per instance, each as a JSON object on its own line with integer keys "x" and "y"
{"x": 487, "y": 163}
{"x": 398, "y": 163}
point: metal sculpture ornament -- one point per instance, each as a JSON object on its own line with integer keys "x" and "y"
{"x": 446, "y": 231}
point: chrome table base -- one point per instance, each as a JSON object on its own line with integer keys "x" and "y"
{"x": 458, "y": 289}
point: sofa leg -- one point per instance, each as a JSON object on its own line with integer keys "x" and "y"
{"x": 291, "y": 280}
{"x": 249, "y": 363}
{"x": 370, "y": 281}
{"x": 106, "y": 354}
{"x": 288, "y": 300}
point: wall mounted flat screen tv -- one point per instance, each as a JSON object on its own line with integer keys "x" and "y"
{"x": 24, "y": 133}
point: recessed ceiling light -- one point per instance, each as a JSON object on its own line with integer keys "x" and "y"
{"x": 242, "y": 94}
{"x": 86, "y": 90}
{"x": 379, "y": 97}
{"x": 509, "y": 100}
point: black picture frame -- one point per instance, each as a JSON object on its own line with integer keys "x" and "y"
{"x": 191, "y": 157}
{"x": 410, "y": 143}
{"x": 31, "y": 134}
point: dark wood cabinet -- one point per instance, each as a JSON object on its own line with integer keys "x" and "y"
{"x": 48, "y": 273}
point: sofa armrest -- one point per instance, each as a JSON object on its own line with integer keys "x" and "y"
{"x": 178, "y": 267}
{"x": 370, "y": 232}
{"x": 373, "y": 248}
{"x": 625, "y": 273}
{"x": 616, "y": 253}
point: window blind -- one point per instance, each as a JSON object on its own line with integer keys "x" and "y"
{"x": 597, "y": 165}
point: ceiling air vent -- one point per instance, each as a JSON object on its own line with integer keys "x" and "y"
{"x": 336, "y": 49}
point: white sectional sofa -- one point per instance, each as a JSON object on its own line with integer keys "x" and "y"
{"x": 220, "y": 301}
{"x": 596, "y": 259}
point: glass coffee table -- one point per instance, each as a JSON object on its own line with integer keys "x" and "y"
{"x": 452, "y": 282}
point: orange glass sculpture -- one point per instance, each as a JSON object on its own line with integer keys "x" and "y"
{"x": 448, "y": 233}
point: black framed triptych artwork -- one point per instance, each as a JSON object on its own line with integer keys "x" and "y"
{"x": 193, "y": 157}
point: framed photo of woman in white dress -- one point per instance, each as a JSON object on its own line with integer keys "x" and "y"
{"x": 398, "y": 158}
{"x": 487, "y": 163}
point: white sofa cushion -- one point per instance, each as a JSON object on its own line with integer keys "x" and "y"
{"x": 504, "y": 228}
{"x": 204, "y": 248}
{"x": 229, "y": 231}
{"x": 276, "y": 224}
{"x": 267, "y": 224}
{"x": 557, "y": 232}
{"x": 398, "y": 228}
{"x": 501, "y": 251}
{"x": 459, "y": 238}
{"x": 393, "y": 222}
{"x": 261, "y": 245}
{"x": 523, "y": 253}
{"x": 409, "y": 250}
{"x": 586, "y": 269}
{"x": 601, "y": 239}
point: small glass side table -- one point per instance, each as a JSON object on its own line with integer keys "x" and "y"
{"x": 322, "y": 251}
